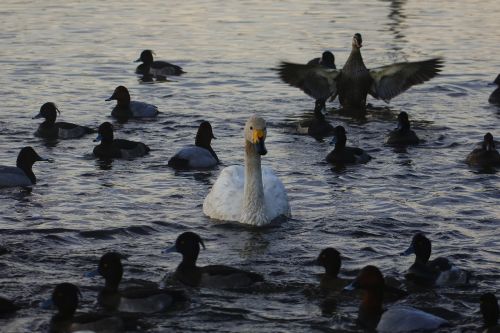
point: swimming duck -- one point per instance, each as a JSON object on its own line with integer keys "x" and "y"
{"x": 213, "y": 276}
{"x": 495, "y": 95}
{"x": 486, "y": 155}
{"x": 397, "y": 318}
{"x": 125, "y": 108}
{"x": 329, "y": 258}
{"x": 158, "y": 69}
{"x": 117, "y": 148}
{"x": 489, "y": 309}
{"x": 65, "y": 297}
{"x": 199, "y": 156}
{"x": 317, "y": 127}
{"x": 342, "y": 154}
{"x": 439, "y": 272}
{"x": 133, "y": 299}
{"x": 327, "y": 60}
{"x": 354, "y": 81}
{"x": 22, "y": 174}
{"x": 49, "y": 129}
{"x": 250, "y": 194}
{"x": 403, "y": 135}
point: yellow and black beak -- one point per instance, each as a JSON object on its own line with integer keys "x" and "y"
{"x": 258, "y": 138}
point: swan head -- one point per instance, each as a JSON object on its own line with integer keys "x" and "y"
{"x": 255, "y": 133}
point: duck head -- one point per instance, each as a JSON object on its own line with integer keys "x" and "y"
{"x": 48, "y": 111}
{"x": 111, "y": 269}
{"x": 65, "y": 297}
{"x": 488, "y": 142}
{"x": 339, "y": 137}
{"x": 329, "y": 258}
{"x": 357, "y": 41}
{"x": 204, "y": 135}
{"x": 327, "y": 59}
{"x": 421, "y": 247}
{"x": 121, "y": 95}
{"x": 403, "y": 121}
{"x": 105, "y": 133}
{"x": 369, "y": 278}
{"x": 489, "y": 309}
{"x": 146, "y": 57}
{"x": 255, "y": 134}
{"x": 187, "y": 244}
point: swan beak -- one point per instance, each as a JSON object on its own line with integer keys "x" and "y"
{"x": 37, "y": 116}
{"x": 409, "y": 250}
{"x": 258, "y": 140}
{"x": 170, "y": 249}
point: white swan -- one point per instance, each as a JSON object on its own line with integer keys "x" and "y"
{"x": 250, "y": 194}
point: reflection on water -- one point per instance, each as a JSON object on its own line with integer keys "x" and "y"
{"x": 76, "y": 53}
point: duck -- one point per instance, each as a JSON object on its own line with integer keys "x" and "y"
{"x": 125, "y": 108}
{"x": 116, "y": 148}
{"x": 403, "y": 135}
{"x": 486, "y": 155}
{"x": 317, "y": 127}
{"x": 354, "y": 81}
{"x": 329, "y": 258}
{"x": 197, "y": 156}
{"x": 22, "y": 174}
{"x": 489, "y": 310}
{"x": 144, "y": 299}
{"x": 249, "y": 194}
{"x": 437, "y": 272}
{"x": 495, "y": 95}
{"x": 212, "y": 276}
{"x": 50, "y": 129}
{"x": 158, "y": 69}
{"x": 397, "y": 318}
{"x": 342, "y": 154}
{"x": 65, "y": 298}
{"x": 327, "y": 60}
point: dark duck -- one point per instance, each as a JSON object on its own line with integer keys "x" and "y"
{"x": 212, "y": 276}
{"x": 354, "y": 81}
{"x": 50, "y": 129}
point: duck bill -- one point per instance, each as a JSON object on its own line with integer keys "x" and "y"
{"x": 258, "y": 141}
{"x": 38, "y": 116}
{"x": 98, "y": 138}
{"x": 334, "y": 140}
{"x": 47, "y": 304}
{"x": 171, "y": 249}
{"x": 354, "y": 285}
{"x": 409, "y": 250}
{"x": 91, "y": 274}
{"x": 138, "y": 60}
{"x": 489, "y": 147}
{"x": 111, "y": 98}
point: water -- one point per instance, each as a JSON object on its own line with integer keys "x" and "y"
{"x": 76, "y": 53}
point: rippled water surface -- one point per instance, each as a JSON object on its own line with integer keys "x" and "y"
{"x": 75, "y": 54}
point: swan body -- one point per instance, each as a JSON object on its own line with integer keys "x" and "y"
{"x": 250, "y": 194}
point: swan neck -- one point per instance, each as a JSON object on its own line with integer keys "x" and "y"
{"x": 253, "y": 200}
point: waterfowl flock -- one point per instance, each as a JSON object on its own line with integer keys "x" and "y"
{"x": 254, "y": 196}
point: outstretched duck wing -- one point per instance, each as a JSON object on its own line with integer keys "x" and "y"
{"x": 390, "y": 81}
{"x": 315, "y": 80}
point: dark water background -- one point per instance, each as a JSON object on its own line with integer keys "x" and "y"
{"x": 75, "y": 54}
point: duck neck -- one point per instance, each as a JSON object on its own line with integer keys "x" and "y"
{"x": 355, "y": 60}
{"x": 124, "y": 101}
{"x": 340, "y": 144}
{"x": 371, "y": 309}
{"x": 189, "y": 260}
{"x": 27, "y": 169}
{"x": 253, "y": 197}
{"x": 203, "y": 144}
